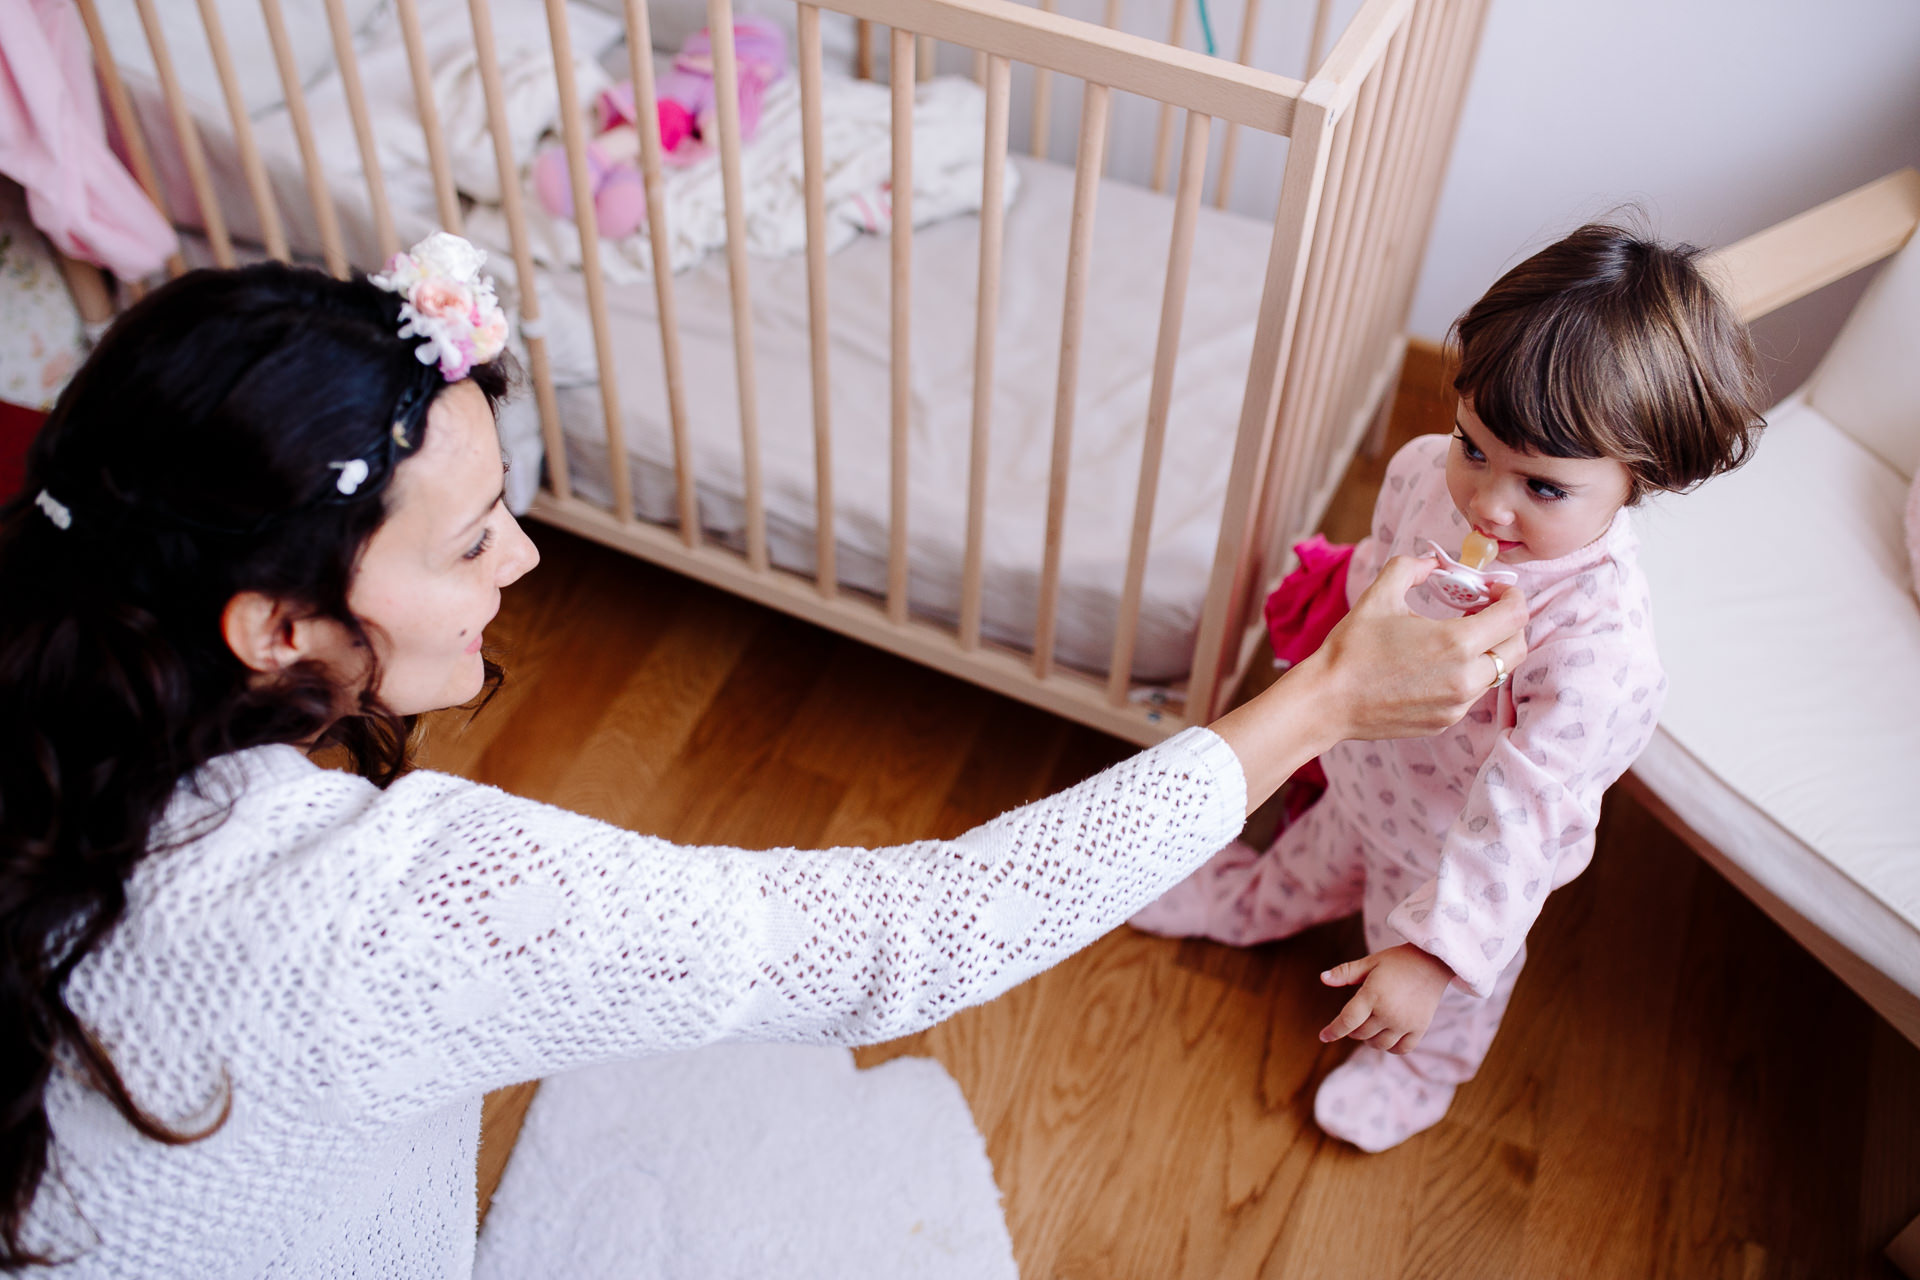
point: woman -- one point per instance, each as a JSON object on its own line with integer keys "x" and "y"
{"x": 252, "y": 1005}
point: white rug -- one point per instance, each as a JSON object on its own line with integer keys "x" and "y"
{"x": 748, "y": 1161}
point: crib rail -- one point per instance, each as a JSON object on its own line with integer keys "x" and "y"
{"x": 1367, "y": 131}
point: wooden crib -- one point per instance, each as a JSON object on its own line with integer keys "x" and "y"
{"x": 1367, "y": 136}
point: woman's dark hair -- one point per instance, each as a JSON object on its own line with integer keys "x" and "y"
{"x": 198, "y": 453}
{"x": 1608, "y": 344}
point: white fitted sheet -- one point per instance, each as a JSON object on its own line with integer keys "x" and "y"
{"x": 1122, "y": 314}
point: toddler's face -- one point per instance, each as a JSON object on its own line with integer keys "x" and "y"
{"x": 1538, "y": 508}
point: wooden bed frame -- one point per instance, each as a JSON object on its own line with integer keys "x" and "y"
{"x": 1369, "y": 133}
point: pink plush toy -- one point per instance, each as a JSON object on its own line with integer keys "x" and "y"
{"x": 686, "y": 117}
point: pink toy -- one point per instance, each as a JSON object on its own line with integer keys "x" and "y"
{"x": 686, "y": 116}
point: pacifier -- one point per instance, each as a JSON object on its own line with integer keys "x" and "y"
{"x": 1462, "y": 585}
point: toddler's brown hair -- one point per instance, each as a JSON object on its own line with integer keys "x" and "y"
{"x": 1611, "y": 344}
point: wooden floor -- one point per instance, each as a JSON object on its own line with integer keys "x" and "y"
{"x": 1679, "y": 1089}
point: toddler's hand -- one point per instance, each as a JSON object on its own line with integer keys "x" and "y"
{"x": 1402, "y": 987}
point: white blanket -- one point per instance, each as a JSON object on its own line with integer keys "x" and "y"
{"x": 748, "y": 1161}
{"x": 949, "y": 121}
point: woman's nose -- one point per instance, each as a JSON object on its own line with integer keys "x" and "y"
{"x": 521, "y": 555}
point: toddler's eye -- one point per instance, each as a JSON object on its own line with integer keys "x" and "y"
{"x": 1547, "y": 492}
{"x": 1467, "y": 447}
{"x": 479, "y": 548}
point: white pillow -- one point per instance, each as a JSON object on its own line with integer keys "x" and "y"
{"x": 245, "y": 28}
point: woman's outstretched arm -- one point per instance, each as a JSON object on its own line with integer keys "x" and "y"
{"x": 484, "y": 938}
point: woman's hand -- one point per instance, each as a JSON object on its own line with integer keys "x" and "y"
{"x": 1394, "y": 674}
{"x": 1399, "y": 990}
{"x": 1384, "y": 672}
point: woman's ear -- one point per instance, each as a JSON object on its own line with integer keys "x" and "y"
{"x": 264, "y": 633}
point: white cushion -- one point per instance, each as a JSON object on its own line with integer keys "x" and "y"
{"x": 1791, "y": 638}
{"x": 1869, "y": 382}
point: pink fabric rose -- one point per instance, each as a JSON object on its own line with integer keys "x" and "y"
{"x": 442, "y": 299}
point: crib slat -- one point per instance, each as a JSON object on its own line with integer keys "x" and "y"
{"x": 129, "y": 125}
{"x": 1094, "y": 104}
{"x": 1433, "y": 144}
{"x": 324, "y": 216}
{"x": 420, "y": 71}
{"x": 445, "y": 197}
{"x": 1293, "y": 229}
{"x": 726, "y": 88}
{"x": 1163, "y": 137}
{"x": 818, "y": 334}
{"x": 526, "y": 284}
{"x": 901, "y": 364}
{"x": 1317, "y": 42}
{"x": 1326, "y": 301}
{"x": 272, "y": 234}
{"x": 863, "y": 49}
{"x": 212, "y": 219}
{"x": 1409, "y": 78}
{"x": 923, "y": 62}
{"x": 646, "y": 107}
{"x": 1351, "y": 354}
{"x": 1230, "y": 144}
{"x": 1041, "y": 113}
{"x": 1186, "y": 210}
{"x": 986, "y": 323}
{"x": 573, "y": 135}
{"x": 384, "y": 236}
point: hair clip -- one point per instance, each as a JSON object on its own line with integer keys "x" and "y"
{"x": 56, "y": 510}
{"x": 447, "y": 301}
{"x": 352, "y": 475}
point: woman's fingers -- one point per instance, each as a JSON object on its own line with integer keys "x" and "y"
{"x": 1399, "y": 575}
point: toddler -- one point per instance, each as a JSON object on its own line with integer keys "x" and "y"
{"x": 1597, "y": 371}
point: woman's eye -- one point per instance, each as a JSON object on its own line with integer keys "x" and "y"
{"x": 1466, "y": 447}
{"x": 1549, "y": 492}
{"x": 479, "y": 548}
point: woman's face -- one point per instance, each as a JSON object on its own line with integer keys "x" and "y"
{"x": 429, "y": 578}
{"x": 1538, "y": 508}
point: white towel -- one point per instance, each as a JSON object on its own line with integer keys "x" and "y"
{"x": 748, "y": 1161}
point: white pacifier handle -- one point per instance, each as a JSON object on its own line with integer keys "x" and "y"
{"x": 1460, "y": 586}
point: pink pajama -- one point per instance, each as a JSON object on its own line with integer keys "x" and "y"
{"x": 1452, "y": 842}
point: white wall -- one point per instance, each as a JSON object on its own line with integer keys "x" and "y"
{"x": 1716, "y": 117}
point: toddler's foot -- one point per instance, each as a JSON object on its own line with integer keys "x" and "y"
{"x": 1207, "y": 904}
{"x": 1376, "y": 1100}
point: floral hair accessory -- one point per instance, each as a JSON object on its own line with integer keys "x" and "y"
{"x": 447, "y": 301}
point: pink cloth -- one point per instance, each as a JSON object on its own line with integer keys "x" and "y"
{"x": 53, "y": 143}
{"x": 1310, "y": 601}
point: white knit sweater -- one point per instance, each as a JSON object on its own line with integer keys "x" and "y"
{"x": 358, "y": 966}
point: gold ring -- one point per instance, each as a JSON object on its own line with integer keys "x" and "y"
{"x": 1499, "y": 670}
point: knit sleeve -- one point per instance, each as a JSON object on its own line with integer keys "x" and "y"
{"x": 1584, "y": 708}
{"x": 488, "y": 939}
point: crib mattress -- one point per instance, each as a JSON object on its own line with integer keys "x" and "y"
{"x": 1122, "y": 315}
